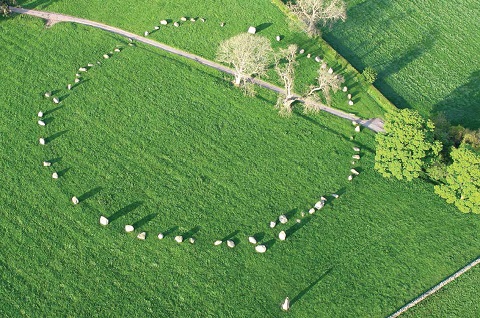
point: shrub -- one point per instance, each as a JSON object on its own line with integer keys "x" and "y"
{"x": 370, "y": 74}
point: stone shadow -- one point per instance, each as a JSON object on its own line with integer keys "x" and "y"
{"x": 125, "y": 210}
{"x": 89, "y": 194}
{"x": 309, "y": 287}
{"x": 144, "y": 220}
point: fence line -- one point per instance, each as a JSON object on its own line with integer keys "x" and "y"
{"x": 435, "y": 288}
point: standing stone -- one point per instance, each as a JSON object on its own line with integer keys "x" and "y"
{"x": 56, "y": 100}
{"x": 218, "y": 242}
{"x": 160, "y": 236}
{"x": 54, "y": 175}
{"x": 40, "y": 114}
{"x": 252, "y": 240}
{"x": 183, "y": 19}
{"x": 301, "y": 51}
{"x": 278, "y": 38}
{"x": 129, "y": 228}
{"x": 75, "y": 200}
{"x": 252, "y": 30}
{"x": 282, "y": 235}
{"x": 103, "y": 221}
{"x": 106, "y": 56}
{"x": 179, "y": 239}
{"x": 176, "y": 24}
{"x": 48, "y": 94}
{"x": 286, "y": 304}
{"x": 41, "y": 141}
{"x": 261, "y": 248}
{"x": 164, "y": 22}
{"x": 142, "y": 236}
{"x": 230, "y": 243}
{"x": 47, "y": 164}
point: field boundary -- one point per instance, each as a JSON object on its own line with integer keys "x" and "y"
{"x": 374, "y": 124}
{"x": 436, "y": 288}
{"x": 371, "y": 90}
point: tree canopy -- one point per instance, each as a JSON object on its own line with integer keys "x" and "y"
{"x": 407, "y": 148}
{"x": 462, "y": 186}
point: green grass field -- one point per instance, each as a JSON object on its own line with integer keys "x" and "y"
{"x": 204, "y": 38}
{"x": 163, "y": 143}
{"x": 426, "y": 53}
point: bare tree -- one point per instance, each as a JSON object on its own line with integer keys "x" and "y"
{"x": 315, "y": 12}
{"x": 249, "y": 54}
{"x": 285, "y": 62}
{"x": 327, "y": 81}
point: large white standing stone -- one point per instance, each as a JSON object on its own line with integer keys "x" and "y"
{"x": 41, "y": 141}
{"x": 56, "y": 100}
{"x": 40, "y": 114}
{"x": 55, "y": 175}
{"x": 41, "y": 123}
{"x": 103, "y": 221}
{"x": 217, "y": 242}
{"x": 261, "y": 248}
{"x": 230, "y": 243}
{"x": 160, "y": 236}
{"x": 164, "y": 22}
{"x": 75, "y": 200}
{"x": 283, "y": 219}
{"x": 286, "y": 304}
{"x": 142, "y": 236}
{"x": 47, "y": 164}
{"x": 282, "y": 235}
{"x": 179, "y": 239}
{"x": 129, "y": 228}
{"x": 252, "y": 240}
{"x": 252, "y": 30}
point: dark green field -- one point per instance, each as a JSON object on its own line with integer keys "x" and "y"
{"x": 426, "y": 53}
{"x": 156, "y": 141}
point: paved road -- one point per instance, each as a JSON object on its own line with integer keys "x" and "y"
{"x": 374, "y": 124}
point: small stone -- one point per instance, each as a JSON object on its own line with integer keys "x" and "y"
{"x": 272, "y": 224}
{"x": 303, "y": 214}
{"x": 157, "y": 27}
{"x": 345, "y": 88}
{"x": 179, "y": 239}
{"x": 191, "y": 240}
{"x": 323, "y": 66}
{"x": 160, "y": 236}
{"x": 230, "y": 243}
{"x": 117, "y": 50}
{"x": 311, "y": 211}
{"x": 164, "y": 22}
{"x": 335, "y": 195}
{"x": 56, "y": 100}
{"x": 55, "y": 175}
{"x": 350, "y": 102}
{"x": 298, "y": 221}
{"x": 218, "y": 242}
{"x": 283, "y": 219}
{"x": 41, "y": 123}
{"x": 131, "y": 44}
{"x": 40, "y": 114}
{"x": 349, "y": 96}
{"x": 318, "y": 59}
{"x": 261, "y": 248}
{"x": 82, "y": 69}
{"x": 357, "y": 129}
{"x": 330, "y": 70}
{"x": 77, "y": 80}
{"x": 356, "y": 149}
{"x": 282, "y": 235}
{"x": 48, "y": 94}
{"x": 90, "y": 64}
{"x": 202, "y": 19}
{"x": 192, "y": 20}
{"x": 309, "y": 55}
{"x": 129, "y": 228}
{"x": 355, "y": 172}
{"x": 146, "y": 33}
{"x": 75, "y": 200}
{"x": 252, "y": 240}
{"x": 106, "y": 56}
{"x": 286, "y": 304}
{"x": 356, "y": 157}
{"x": 319, "y": 205}
{"x": 69, "y": 86}
{"x": 222, "y": 24}
{"x": 176, "y": 24}
{"x": 41, "y": 141}
{"x": 142, "y": 236}
{"x": 252, "y": 30}
{"x": 353, "y": 162}
{"x": 350, "y": 178}
{"x": 103, "y": 221}
{"x": 278, "y": 38}
{"x": 183, "y": 19}
{"x": 47, "y": 164}
{"x": 301, "y": 51}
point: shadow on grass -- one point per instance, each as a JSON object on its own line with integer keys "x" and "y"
{"x": 90, "y": 193}
{"x": 270, "y": 243}
{"x": 54, "y": 160}
{"x": 309, "y": 287}
{"x": 297, "y": 226}
{"x": 259, "y": 236}
{"x": 300, "y": 114}
{"x": 263, "y": 26}
{"x": 123, "y": 211}
{"x": 170, "y": 231}
{"x": 80, "y": 83}
{"x": 144, "y": 220}
{"x": 55, "y": 136}
{"x": 62, "y": 172}
{"x": 48, "y": 112}
{"x": 462, "y": 106}
{"x": 191, "y": 232}
{"x": 48, "y": 120}
{"x": 230, "y": 236}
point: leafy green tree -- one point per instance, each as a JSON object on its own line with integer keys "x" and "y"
{"x": 462, "y": 186}
{"x": 408, "y": 147}
{"x": 370, "y": 74}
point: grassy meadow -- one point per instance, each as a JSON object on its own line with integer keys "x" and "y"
{"x": 204, "y": 38}
{"x": 425, "y": 52}
{"x": 156, "y": 141}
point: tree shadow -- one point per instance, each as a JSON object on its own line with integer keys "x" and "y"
{"x": 48, "y": 112}
{"x": 300, "y": 114}
{"x": 144, "y": 220}
{"x": 263, "y": 26}
{"x": 462, "y": 106}
{"x": 297, "y": 226}
{"x": 90, "y": 193}
{"x": 55, "y": 136}
{"x": 309, "y": 287}
{"x": 123, "y": 211}
{"x": 190, "y": 233}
